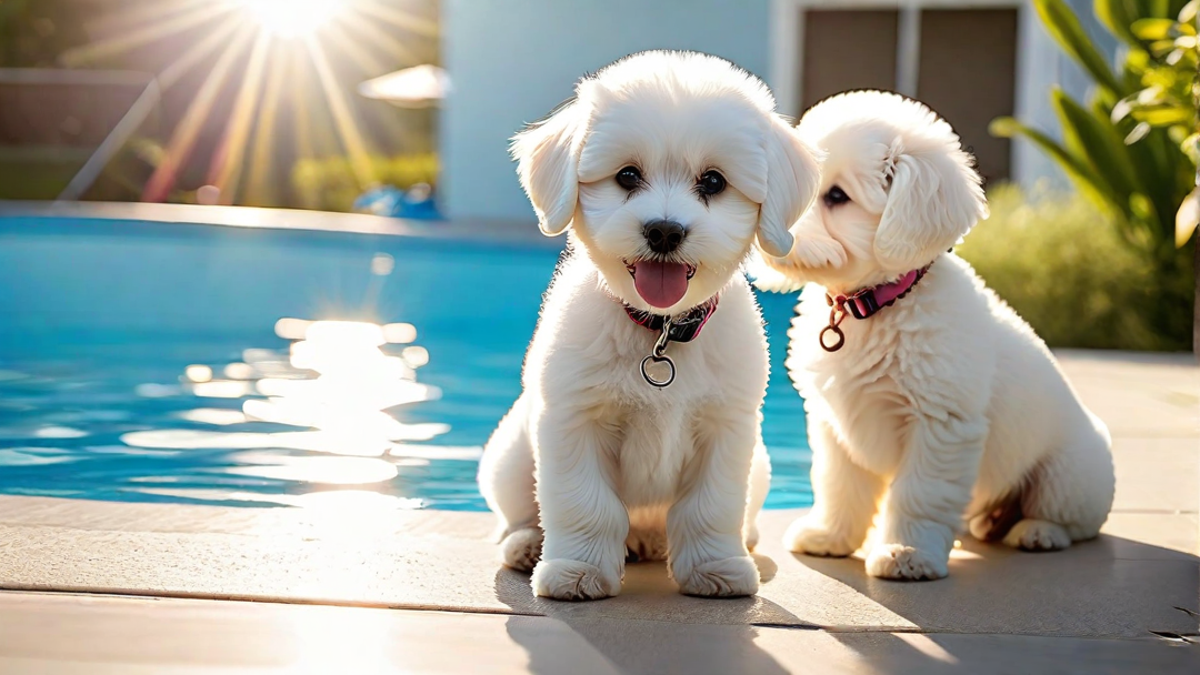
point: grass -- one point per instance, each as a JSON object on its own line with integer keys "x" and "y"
{"x": 1064, "y": 266}
{"x": 37, "y": 173}
{"x": 330, "y": 184}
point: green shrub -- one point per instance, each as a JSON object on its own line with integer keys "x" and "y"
{"x": 1130, "y": 159}
{"x": 1136, "y": 170}
{"x": 1170, "y": 97}
{"x": 1061, "y": 262}
{"x": 330, "y": 184}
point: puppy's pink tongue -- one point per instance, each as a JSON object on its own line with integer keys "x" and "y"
{"x": 660, "y": 284}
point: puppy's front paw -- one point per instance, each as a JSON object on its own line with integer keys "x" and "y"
{"x": 807, "y": 535}
{"x": 1038, "y": 535}
{"x": 572, "y": 580}
{"x": 522, "y": 549}
{"x": 896, "y": 561}
{"x": 728, "y": 578}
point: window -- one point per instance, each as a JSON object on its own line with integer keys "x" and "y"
{"x": 966, "y": 72}
{"x": 958, "y": 56}
{"x": 848, "y": 49}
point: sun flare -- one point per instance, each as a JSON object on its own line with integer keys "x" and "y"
{"x": 274, "y": 90}
{"x": 293, "y": 18}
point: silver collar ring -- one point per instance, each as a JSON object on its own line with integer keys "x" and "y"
{"x": 659, "y": 356}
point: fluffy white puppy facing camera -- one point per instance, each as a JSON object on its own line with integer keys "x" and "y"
{"x": 638, "y": 426}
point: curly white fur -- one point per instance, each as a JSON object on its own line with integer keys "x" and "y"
{"x": 592, "y": 460}
{"x": 945, "y": 404}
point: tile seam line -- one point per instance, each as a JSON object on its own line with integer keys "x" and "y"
{"x": 153, "y": 594}
{"x": 831, "y": 628}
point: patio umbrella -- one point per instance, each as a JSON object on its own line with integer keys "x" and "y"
{"x": 417, "y": 87}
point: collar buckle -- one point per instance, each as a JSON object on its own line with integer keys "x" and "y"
{"x": 659, "y": 355}
{"x": 681, "y": 329}
{"x": 863, "y": 304}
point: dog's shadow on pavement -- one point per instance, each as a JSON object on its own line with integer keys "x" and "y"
{"x": 649, "y": 628}
{"x": 1107, "y": 587}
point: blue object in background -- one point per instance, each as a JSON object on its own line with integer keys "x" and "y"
{"x": 416, "y": 203}
{"x": 101, "y": 319}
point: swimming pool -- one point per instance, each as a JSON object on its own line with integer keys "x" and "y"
{"x": 174, "y": 362}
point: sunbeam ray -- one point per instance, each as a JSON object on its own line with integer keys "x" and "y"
{"x": 183, "y": 140}
{"x": 349, "y": 45}
{"x": 94, "y": 51}
{"x": 226, "y": 166}
{"x": 258, "y": 186}
{"x": 400, "y": 18}
{"x": 347, "y": 129}
{"x": 377, "y": 36}
{"x": 129, "y": 17}
{"x": 196, "y": 53}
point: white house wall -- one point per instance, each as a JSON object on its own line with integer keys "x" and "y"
{"x": 512, "y": 61}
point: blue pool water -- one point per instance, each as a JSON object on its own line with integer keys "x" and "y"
{"x": 147, "y": 362}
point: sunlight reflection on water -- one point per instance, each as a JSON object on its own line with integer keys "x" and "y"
{"x": 335, "y": 384}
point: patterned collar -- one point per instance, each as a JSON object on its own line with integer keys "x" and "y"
{"x": 684, "y": 328}
{"x": 863, "y": 304}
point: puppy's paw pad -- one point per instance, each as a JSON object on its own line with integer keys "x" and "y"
{"x": 808, "y": 536}
{"x": 896, "y": 561}
{"x": 728, "y": 578}
{"x": 572, "y": 580}
{"x": 1038, "y": 535}
{"x": 522, "y": 549}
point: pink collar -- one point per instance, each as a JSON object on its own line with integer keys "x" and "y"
{"x": 865, "y": 303}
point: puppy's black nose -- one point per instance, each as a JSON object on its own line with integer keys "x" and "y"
{"x": 663, "y": 236}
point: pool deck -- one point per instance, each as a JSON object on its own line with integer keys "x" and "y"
{"x": 94, "y": 587}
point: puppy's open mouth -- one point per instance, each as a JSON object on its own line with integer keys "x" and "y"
{"x": 660, "y": 283}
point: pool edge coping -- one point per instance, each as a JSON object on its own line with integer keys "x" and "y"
{"x": 252, "y": 217}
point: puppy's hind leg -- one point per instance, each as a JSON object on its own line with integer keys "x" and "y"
{"x": 1068, "y": 497}
{"x": 760, "y": 485}
{"x": 506, "y": 479}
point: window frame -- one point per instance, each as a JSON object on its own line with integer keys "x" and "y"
{"x": 787, "y": 40}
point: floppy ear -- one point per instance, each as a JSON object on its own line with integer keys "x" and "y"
{"x": 792, "y": 181}
{"x": 547, "y": 157}
{"x": 934, "y": 199}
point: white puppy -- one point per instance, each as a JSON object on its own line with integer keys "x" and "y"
{"x": 943, "y": 404}
{"x": 666, "y": 166}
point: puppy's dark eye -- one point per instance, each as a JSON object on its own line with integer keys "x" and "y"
{"x": 710, "y": 183}
{"x": 629, "y": 178}
{"x": 835, "y": 197}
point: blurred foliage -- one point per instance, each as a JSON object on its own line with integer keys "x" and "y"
{"x": 1170, "y": 97}
{"x": 22, "y": 177}
{"x": 34, "y": 32}
{"x": 1062, "y": 263}
{"x": 330, "y": 184}
{"x": 1128, "y": 160}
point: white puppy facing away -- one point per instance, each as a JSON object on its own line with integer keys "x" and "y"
{"x": 928, "y": 398}
{"x": 667, "y": 167}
